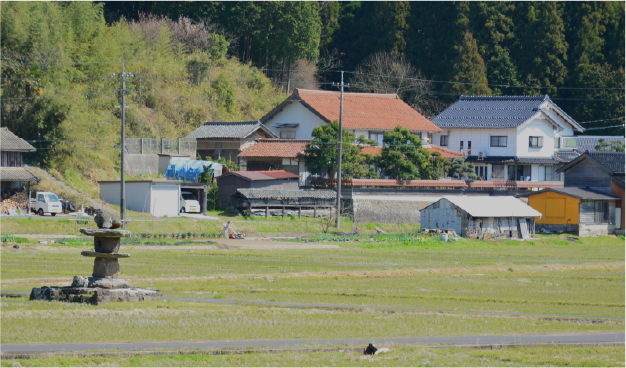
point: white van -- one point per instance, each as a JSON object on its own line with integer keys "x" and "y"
{"x": 188, "y": 202}
{"x": 47, "y": 202}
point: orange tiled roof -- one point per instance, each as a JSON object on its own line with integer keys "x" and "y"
{"x": 268, "y": 147}
{"x": 447, "y": 153}
{"x": 431, "y": 148}
{"x": 371, "y": 111}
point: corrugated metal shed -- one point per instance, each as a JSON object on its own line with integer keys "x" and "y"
{"x": 494, "y": 206}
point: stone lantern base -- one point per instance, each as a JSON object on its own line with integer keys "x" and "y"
{"x": 105, "y": 284}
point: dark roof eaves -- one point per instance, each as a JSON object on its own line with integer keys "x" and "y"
{"x": 586, "y": 155}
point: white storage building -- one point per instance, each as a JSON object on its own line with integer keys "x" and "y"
{"x": 158, "y": 197}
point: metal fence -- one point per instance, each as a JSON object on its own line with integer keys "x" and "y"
{"x": 161, "y": 145}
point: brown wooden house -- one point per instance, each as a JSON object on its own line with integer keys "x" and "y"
{"x": 224, "y": 139}
{"x": 13, "y": 174}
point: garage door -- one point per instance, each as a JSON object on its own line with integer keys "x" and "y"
{"x": 165, "y": 200}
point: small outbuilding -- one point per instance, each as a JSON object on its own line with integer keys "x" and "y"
{"x": 480, "y": 217}
{"x": 228, "y": 139}
{"x": 278, "y": 179}
{"x": 582, "y": 211}
{"x": 277, "y": 202}
{"x": 158, "y": 197}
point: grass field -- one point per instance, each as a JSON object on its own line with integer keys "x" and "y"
{"x": 399, "y": 356}
{"x": 549, "y": 275}
{"x": 289, "y": 226}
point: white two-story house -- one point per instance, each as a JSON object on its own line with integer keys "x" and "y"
{"x": 509, "y": 137}
{"x": 365, "y": 114}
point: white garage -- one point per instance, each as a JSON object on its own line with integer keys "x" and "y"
{"x": 158, "y": 197}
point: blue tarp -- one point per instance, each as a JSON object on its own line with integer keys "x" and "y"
{"x": 189, "y": 170}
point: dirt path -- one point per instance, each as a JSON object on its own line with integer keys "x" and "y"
{"x": 572, "y": 338}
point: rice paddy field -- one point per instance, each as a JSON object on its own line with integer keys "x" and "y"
{"x": 547, "y": 284}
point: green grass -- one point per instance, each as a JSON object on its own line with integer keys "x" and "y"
{"x": 44, "y": 322}
{"x": 400, "y": 355}
{"x": 548, "y": 275}
{"x": 298, "y": 227}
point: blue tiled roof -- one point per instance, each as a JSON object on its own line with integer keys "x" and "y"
{"x": 500, "y": 112}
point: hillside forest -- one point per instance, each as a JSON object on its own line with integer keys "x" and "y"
{"x": 235, "y": 61}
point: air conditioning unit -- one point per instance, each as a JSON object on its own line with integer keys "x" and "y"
{"x": 481, "y": 155}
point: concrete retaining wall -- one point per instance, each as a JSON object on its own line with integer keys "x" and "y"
{"x": 137, "y": 164}
{"x": 595, "y": 229}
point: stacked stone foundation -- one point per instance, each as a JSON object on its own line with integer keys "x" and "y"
{"x": 105, "y": 284}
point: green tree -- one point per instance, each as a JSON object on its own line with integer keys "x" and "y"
{"x": 612, "y": 146}
{"x": 540, "y": 50}
{"x": 469, "y": 67}
{"x": 460, "y": 169}
{"x": 435, "y": 167}
{"x": 400, "y": 155}
{"x": 321, "y": 153}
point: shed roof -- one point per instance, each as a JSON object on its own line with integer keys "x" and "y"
{"x": 612, "y": 162}
{"x": 493, "y": 206}
{"x": 230, "y": 130}
{"x": 286, "y": 194}
{"x": 372, "y": 111}
{"x": 580, "y": 193}
{"x": 263, "y": 175}
{"x": 17, "y": 174}
{"x": 500, "y": 112}
{"x": 11, "y": 142}
{"x": 288, "y": 148}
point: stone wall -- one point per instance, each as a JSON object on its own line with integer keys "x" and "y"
{"x": 388, "y": 211}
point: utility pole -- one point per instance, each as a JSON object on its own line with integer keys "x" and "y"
{"x": 123, "y": 76}
{"x": 340, "y": 148}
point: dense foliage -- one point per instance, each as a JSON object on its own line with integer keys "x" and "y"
{"x": 56, "y": 89}
{"x": 504, "y": 47}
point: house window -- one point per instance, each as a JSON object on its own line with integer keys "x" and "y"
{"x": 535, "y": 142}
{"x": 289, "y": 134}
{"x": 443, "y": 141}
{"x": 469, "y": 147}
{"x": 498, "y": 141}
{"x": 511, "y": 175}
{"x": 430, "y": 138}
{"x": 497, "y": 172}
{"x": 545, "y": 173}
{"x": 602, "y": 213}
{"x": 378, "y": 137}
{"x": 218, "y": 146}
{"x": 461, "y": 147}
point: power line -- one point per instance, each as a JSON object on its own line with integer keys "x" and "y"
{"x": 595, "y": 121}
{"x": 614, "y": 126}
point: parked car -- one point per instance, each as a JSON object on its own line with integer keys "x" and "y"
{"x": 47, "y": 202}
{"x": 188, "y": 202}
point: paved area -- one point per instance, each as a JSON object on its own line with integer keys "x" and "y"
{"x": 465, "y": 340}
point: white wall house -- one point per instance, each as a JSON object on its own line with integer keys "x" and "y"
{"x": 509, "y": 137}
{"x": 366, "y": 114}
